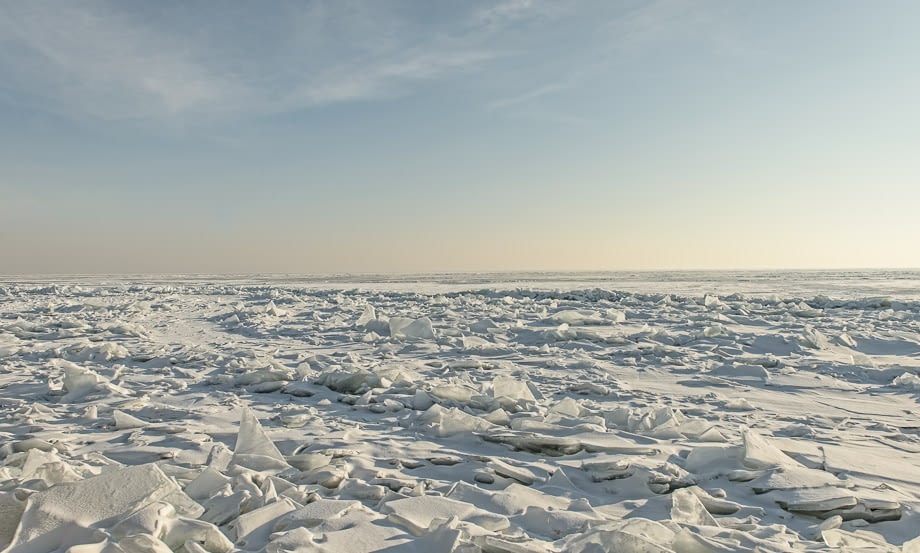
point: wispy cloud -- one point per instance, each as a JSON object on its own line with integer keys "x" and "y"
{"x": 102, "y": 59}
{"x": 363, "y": 79}
{"x": 611, "y": 34}
{"x": 69, "y": 58}
{"x": 95, "y": 60}
{"x": 508, "y": 9}
{"x": 647, "y": 22}
{"x": 504, "y": 12}
{"x": 530, "y": 95}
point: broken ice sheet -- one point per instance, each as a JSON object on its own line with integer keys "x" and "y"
{"x": 295, "y": 417}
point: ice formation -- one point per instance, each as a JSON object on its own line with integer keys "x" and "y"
{"x": 271, "y": 416}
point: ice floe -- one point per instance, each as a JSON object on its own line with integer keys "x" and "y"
{"x": 219, "y": 416}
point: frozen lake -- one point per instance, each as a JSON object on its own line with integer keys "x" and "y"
{"x": 583, "y": 412}
{"x": 901, "y": 284}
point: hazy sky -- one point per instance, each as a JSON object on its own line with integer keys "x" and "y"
{"x": 182, "y": 136}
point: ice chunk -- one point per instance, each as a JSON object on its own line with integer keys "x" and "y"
{"x": 206, "y": 484}
{"x": 363, "y": 491}
{"x": 417, "y": 513}
{"x": 80, "y": 382}
{"x": 101, "y": 500}
{"x": 9, "y": 346}
{"x": 760, "y": 454}
{"x": 687, "y": 508}
{"x": 293, "y": 541}
{"x": 33, "y": 443}
{"x": 511, "y": 388}
{"x": 74, "y": 538}
{"x": 589, "y": 388}
{"x": 453, "y": 392}
{"x": 273, "y": 373}
{"x": 568, "y": 407}
{"x": 842, "y": 540}
{"x": 447, "y": 422}
{"x": 298, "y": 389}
{"x": 124, "y": 421}
{"x": 512, "y": 501}
{"x": 483, "y": 326}
{"x": 813, "y": 338}
{"x": 556, "y": 524}
{"x": 635, "y": 535}
{"x": 161, "y": 521}
{"x": 870, "y": 511}
{"x": 219, "y": 457}
{"x": 404, "y": 328}
{"x": 601, "y": 471}
{"x": 48, "y": 467}
{"x": 328, "y": 477}
{"x": 314, "y": 514}
{"x": 715, "y": 505}
{"x": 11, "y": 510}
{"x": 232, "y": 321}
{"x": 419, "y": 328}
{"x": 254, "y": 449}
{"x": 615, "y": 315}
{"x": 421, "y": 401}
{"x": 253, "y": 528}
{"x": 815, "y": 500}
{"x": 222, "y": 509}
{"x": 363, "y": 535}
{"x": 738, "y": 404}
{"x": 721, "y": 458}
{"x": 274, "y": 310}
{"x": 911, "y": 546}
{"x": 77, "y": 378}
{"x": 521, "y": 474}
{"x": 577, "y": 317}
{"x": 792, "y": 477}
{"x": 498, "y": 416}
{"x": 370, "y": 314}
{"x": 308, "y": 461}
{"x": 348, "y": 381}
{"x": 105, "y": 351}
{"x": 909, "y": 381}
{"x": 443, "y": 539}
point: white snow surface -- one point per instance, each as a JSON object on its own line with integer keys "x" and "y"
{"x": 551, "y": 412}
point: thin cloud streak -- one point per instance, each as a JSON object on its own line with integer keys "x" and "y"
{"x": 60, "y": 58}
{"x": 531, "y": 95}
{"x": 66, "y": 52}
{"x": 631, "y": 29}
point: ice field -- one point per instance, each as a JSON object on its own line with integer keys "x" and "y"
{"x": 584, "y": 413}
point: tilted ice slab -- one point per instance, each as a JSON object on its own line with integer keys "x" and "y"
{"x": 101, "y": 501}
{"x": 254, "y": 449}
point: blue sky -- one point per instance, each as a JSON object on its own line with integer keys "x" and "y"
{"x": 427, "y": 136}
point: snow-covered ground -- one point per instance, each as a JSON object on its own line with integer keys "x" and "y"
{"x": 652, "y": 412}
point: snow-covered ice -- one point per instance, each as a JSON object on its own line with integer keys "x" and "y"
{"x": 672, "y": 412}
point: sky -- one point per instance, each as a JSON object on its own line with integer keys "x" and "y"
{"x": 426, "y": 136}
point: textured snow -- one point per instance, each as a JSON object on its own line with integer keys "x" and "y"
{"x": 472, "y": 413}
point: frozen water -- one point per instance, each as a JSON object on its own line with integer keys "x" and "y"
{"x": 539, "y": 413}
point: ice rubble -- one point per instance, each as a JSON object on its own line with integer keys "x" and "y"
{"x": 103, "y": 501}
{"x": 908, "y": 380}
{"x": 507, "y": 421}
{"x": 405, "y": 328}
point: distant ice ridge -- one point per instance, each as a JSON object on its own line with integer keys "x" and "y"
{"x": 239, "y": 415}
